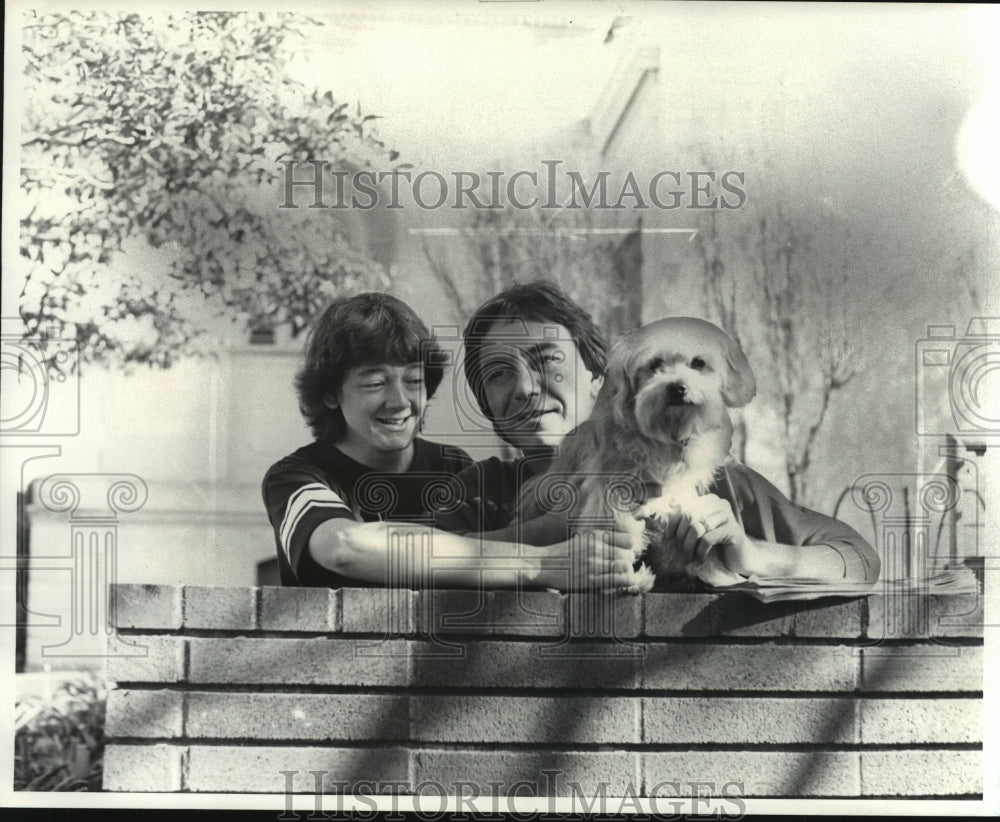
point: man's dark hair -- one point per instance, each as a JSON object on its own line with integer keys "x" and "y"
{"x": 368, "y": 329}
{"x": 540, "y": 301}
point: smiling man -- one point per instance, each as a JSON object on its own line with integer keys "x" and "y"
{"x": 535, "y": 362}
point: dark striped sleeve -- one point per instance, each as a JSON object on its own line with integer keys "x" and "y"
{"x": 298, "y": 498}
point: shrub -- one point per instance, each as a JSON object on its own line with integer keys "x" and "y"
{"x": 59, "y": 740}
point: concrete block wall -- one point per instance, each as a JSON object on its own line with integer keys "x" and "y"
{"x": 519, "y": 693}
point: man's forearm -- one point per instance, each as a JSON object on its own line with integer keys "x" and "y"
{"x": 830, "y": 563}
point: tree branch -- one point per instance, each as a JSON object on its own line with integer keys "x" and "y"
{"x": 79, "y": 175}
{"x": 440, "y": 271}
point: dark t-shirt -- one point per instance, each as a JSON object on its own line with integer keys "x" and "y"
{"x": 489, "y": 493}
{"x": 320, "y": 482}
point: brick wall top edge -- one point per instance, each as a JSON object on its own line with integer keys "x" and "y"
{"x": 535, "y": 613}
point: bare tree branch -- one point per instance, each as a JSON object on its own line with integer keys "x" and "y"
{"x": 440, "y": 270}
{"x": 799, "y": 322}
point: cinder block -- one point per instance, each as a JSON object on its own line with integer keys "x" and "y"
{"x": 958, "y": 616}
{"x": 230, "y": 609}
{"x": 296, "y": 716}
{"x": 676, "y": 615}
{"x": 696, "y": 667}
{"x": 539, "y": 720}
{"x": 718, "y": 614}
{"x": 921, "y": 773}
{"x": 253, "y": 769}
{"x": 526, "y": 773}
{"x": 725, "y": 720}
{"x": 739, "y": 614}
{"x": 603, "y": 616}
{"x": 922, "y": 668}
{"x": 163, "y": 662}
{"x": 145, "y": 768}
{"x": 752, "y": 773}
{"x": 535, "y": 613}
{"x": 829, "y": 618}
{"x": 380, "y": 611}
{"x": 475, "y": 612}
{"x": 917, "y": 616}
{"x": 143, "y": 713}
{"x": 526, "y": 665}
{"x": 147, "y": 606}
{"x": 320, "y": 661}
{"x": 917, "y": 721}
{"x": 452, "y": 612}
{"x": 311, "y": 610}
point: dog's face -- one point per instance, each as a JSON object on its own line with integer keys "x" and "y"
{"x": 672, "y": 381}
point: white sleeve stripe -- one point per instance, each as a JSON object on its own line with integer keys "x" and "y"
{"x": 312, "y": 491}
{"x": 300, "y": 500}
{"x": 299, "y": 504}
{"x": 286, "y": 544}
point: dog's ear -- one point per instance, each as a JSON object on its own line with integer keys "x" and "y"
{"x": 740, "y": 384}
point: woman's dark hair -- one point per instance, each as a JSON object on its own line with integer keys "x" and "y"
{"x": 540, "y": 301}
{"x": 368, "y": 329}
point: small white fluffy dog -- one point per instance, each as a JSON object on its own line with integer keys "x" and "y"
{"x": 657, "y": 437}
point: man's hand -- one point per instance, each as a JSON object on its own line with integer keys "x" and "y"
{"x": 597, "y": 560}
{"x": 711, "y": 523}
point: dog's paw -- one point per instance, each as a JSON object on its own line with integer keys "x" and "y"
{"x": 636, "y": 529}
{"x": 643, "y": 580}
{"x": 661, "y": 554}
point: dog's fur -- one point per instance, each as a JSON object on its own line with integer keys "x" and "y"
{"x": 658, "y": 436}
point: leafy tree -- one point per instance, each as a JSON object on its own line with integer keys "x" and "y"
{"x": 162, "y": 135}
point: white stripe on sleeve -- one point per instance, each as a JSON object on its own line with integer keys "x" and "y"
{"x": 305, "y": 499}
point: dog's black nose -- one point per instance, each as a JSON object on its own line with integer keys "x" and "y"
{"x": 677, "y": 393}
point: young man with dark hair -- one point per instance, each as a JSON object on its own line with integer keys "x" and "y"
{"x": 534, "y": 361}
{"x": 370, "y": 368}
